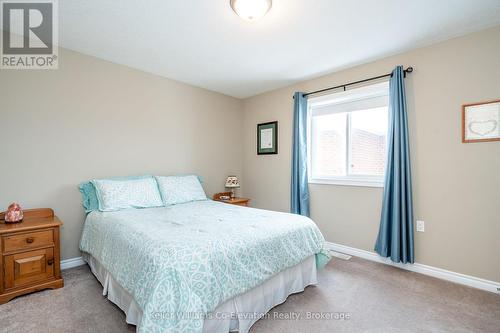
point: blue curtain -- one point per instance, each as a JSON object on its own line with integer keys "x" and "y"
{"x": 395, "y": 236}
{"x": 300, "y": 191}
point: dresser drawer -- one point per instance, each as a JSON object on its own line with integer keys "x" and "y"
{"x": 28, "y": 267}
{"x": 28, "y": 240}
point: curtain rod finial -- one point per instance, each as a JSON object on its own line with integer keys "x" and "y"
{"x": 409, "y": 70}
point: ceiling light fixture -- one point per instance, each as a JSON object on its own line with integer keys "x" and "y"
{"x": 251, "y": 10}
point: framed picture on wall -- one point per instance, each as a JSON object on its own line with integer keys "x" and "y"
{"x": 481, "y": 122}
{"x": 267, "y": 138}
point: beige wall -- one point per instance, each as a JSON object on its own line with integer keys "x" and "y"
{"x": 456, "y": 186}
{"x": 93, "y": 119}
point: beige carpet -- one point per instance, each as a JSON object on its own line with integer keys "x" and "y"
{"x": 375, "y": 297}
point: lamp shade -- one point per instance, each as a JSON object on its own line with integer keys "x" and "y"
{"x": 232, "y": 182}
{"x": 251, "y": 10}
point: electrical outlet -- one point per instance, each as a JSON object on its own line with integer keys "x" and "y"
{"x": 420, "y": 226}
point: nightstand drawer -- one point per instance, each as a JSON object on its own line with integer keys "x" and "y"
{"x": 28, "y": 240}
{"x": 28, "y": 267}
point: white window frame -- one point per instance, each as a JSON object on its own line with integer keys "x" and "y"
{"x": 381, "y": 90}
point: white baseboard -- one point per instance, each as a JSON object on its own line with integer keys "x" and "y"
{"x": 72, "y": 262}
{"x": 439, "y": 273}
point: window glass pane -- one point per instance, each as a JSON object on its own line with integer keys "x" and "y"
{"x": 329, "y": 145}
{"x": 368, "y": 141}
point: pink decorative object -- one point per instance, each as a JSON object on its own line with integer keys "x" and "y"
{"x": 14, "y": 213}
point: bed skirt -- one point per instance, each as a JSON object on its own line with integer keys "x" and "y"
{"x": 235, "y": 315}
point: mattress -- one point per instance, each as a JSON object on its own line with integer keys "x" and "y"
{"x": 237, "y": 314}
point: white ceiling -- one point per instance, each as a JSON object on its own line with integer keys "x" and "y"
{"x": 203, "y": 43}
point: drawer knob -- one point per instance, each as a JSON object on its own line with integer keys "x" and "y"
{"x": 30, "y": 240}
{"x": 50, "y": 262}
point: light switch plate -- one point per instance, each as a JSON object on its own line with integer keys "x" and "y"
{"x": 420, "y": 226}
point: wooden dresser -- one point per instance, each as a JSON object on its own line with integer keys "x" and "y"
{"x": 29, "y": 254}
{"x": 232, "y": 201}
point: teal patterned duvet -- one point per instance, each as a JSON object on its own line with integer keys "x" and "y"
{"x": 180, "y": 262}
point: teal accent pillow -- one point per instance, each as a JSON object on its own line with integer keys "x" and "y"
{"x": 180, "y": 189}
{"x": 89, "y": 197}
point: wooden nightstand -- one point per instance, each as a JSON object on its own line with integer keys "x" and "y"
{"x": 29, "y": 254}
{"x": 234, "y": 201}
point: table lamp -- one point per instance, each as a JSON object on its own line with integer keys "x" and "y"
{"x": 232, "y": 182}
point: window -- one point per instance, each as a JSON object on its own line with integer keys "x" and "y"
{"x": 347, "y": 134}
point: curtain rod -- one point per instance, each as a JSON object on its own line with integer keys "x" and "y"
{"x": 408, "y": 70}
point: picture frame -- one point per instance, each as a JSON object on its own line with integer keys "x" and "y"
{"x": 267, "y": 138}
{"x": 481, "y": 122}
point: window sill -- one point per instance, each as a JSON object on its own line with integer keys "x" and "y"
{"x": 348, "y": 182}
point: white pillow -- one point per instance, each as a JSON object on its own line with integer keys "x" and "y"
{"x": 132, "y": 193}
{"x": 180, "y": 189}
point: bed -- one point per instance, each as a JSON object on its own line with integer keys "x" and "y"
{"x": 201, "y": 266}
